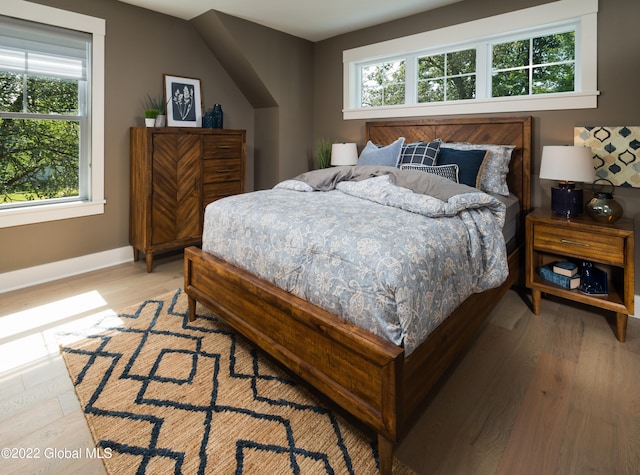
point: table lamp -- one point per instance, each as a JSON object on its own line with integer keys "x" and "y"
{"x": 567, "y": 165}
{"x": 344, "y": 154}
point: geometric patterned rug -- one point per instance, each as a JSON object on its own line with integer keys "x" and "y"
{"x": 165, "y": 395}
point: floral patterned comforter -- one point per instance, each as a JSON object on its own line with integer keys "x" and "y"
{"x": 389, "y": 260}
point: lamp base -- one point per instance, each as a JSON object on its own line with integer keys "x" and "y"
{"x": 566, "y": 200}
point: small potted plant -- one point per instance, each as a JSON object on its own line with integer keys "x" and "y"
{"x": 323, "y": 152}
{"x": 154, "y": 112}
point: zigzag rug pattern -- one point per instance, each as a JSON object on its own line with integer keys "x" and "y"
{"x": 166, "y": 395}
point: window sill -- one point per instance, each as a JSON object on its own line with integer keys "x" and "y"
{"x": 585, "y": 100}
{"x": 52, "y": 212}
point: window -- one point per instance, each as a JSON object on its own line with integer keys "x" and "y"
{"x": 51, "y": 136}
{"x": 506, "y": 63}
{"x": 43, "y": 113}
{"x": 383, "y": 84}
{"x": 447, "y": 76}
{"x": 539, "y": 65}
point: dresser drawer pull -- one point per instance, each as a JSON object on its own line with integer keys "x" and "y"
{"x": 224, "y": 171}
{"x": 224, "y": 147}
{"x": 575, "y": 243}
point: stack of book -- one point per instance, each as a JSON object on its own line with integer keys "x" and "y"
{"x": 563, "y": 273}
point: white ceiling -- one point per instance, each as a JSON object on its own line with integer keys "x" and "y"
{"x": 313, "y": 20}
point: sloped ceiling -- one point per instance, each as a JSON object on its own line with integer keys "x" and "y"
{"x": 313, "y": 20}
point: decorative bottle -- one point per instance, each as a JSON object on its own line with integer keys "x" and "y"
{"x": 217, "y": 116}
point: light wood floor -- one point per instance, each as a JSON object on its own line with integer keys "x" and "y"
{"x": 552, "y": 394}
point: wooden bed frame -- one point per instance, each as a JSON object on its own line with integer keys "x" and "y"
{"x": 364, "y": 374}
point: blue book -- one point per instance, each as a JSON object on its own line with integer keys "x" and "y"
{"x": 546, "y": 272}
{"x": 565, "y": 268}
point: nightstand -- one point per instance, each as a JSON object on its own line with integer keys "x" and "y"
{"x": 550, "y": 237}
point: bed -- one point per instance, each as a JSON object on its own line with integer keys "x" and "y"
{"x": 376, "y": 381}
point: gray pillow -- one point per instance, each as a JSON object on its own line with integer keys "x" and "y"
{"x": 387, "y": 156}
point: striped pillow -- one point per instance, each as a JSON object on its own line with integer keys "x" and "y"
{"x": 446, "y": 171}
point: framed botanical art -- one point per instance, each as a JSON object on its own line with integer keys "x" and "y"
{"x": 184, "y": 101}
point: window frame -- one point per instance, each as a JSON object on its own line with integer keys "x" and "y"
{"x": 482, "y": 32}
{"x": 94, "y": 204}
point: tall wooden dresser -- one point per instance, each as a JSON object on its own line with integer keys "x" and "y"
{"x": 175, "y": 174}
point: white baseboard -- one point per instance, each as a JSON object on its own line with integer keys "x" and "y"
{"x": 21, "y": 278}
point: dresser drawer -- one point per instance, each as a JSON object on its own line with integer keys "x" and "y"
{"x": 222, "y": 146}
{"x": 598, "y": 247}
{"x": 225, "y": 169}
{"x": 216, "y": 191}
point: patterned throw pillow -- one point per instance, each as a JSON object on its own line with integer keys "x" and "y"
{"x": 493, "y": 178}
{"x": 446, "y": 171}
{"x": 470, "y": 163}
{"x": 387, "y": 156}
{"x": 422, "y": 153}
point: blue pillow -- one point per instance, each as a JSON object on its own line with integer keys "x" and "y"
{"x": 423, "y": 153}
{"x": 387, "y": 156}
{"x": 469, "y": 162}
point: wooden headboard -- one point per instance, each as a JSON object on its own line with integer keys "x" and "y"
{"x": 489, "y": 130}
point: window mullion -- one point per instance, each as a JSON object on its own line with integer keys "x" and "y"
{"x": 483, "y": 71}
{"x": 530, "y": 66}
{"x": 25, "y": 94}
{"x": 411, "y": 80}
{"x": 445, "y": 77}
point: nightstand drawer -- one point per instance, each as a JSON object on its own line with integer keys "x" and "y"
{"x": 599, "y": 247}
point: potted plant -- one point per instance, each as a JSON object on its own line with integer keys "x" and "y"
{"x": 154, "y": 115}
{"x": 323, "y": 152}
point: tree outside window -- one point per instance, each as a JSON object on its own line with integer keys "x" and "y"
{"x": 39, "y": 154}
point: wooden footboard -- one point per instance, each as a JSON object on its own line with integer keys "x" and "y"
{"x": 357, "y": 370}
{"x": 365, "y": 375}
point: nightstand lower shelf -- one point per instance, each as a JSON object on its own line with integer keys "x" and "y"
{"x": 610, "y": 302}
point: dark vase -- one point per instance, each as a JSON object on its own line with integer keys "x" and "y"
{"x": 207, "y": 120}
{"x": 217, "y": 116}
